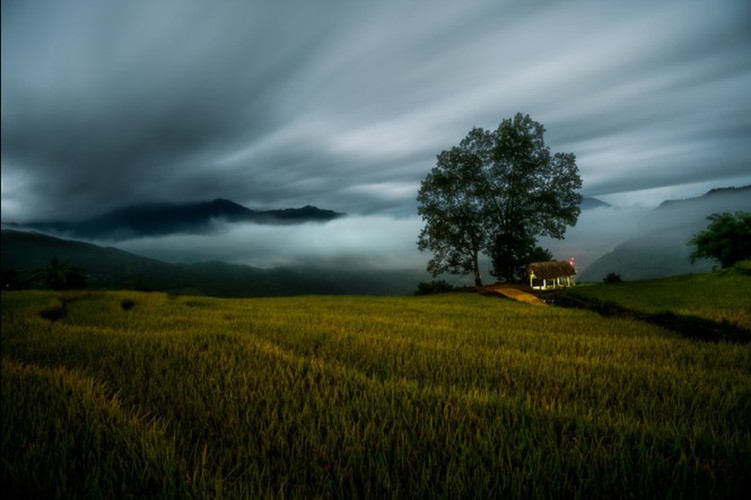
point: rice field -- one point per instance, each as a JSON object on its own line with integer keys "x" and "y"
{"x": 125, "y": 394}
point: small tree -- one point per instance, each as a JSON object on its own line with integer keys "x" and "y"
{"x": 727, "y": 239}
{"x": 612, "y": 279}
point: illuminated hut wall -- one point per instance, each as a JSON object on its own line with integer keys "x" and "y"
{"x": 545, "y": 275}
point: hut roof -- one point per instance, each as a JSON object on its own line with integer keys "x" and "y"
{"x": 551, "y": 270}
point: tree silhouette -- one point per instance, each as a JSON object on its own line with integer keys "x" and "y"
{"x": 60, "y": 275}
{"x": 726, "y": 239}
{"x": 450, "y": 204}
{"x": 496, "y": 193}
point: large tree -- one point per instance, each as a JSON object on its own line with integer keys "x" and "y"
{"x": 496, "y": 193}
{"x": 450, "y": 202}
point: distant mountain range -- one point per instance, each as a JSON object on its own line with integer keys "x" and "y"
{"x": 157, "y": 219}
{"x": 588, "y": 203}
{"x": 661, "y": 246}
{"x": 110, "y": 268}
{"x": 660, "y": 249}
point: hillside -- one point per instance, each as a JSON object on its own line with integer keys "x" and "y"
{"x": 721, "y": 297}
{"x": 111, "y": 268}
{"x": 661, "y": 246}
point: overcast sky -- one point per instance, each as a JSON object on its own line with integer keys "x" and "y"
{"x": 345, "y": 104}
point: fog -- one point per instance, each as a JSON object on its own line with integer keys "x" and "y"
{"x": 366, "y": 242}
{"x": 597, "y": 232}
{"x": 636, "y": 241}
{"x": 369, "y": 242}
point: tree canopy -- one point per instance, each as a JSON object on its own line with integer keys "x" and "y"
{"x": 727, "y": 239}
{"x": 496, "y": 193}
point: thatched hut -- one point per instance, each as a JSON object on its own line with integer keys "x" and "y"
{"x": 544, "y": 275}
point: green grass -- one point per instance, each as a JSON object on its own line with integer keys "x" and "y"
{"x": 720, "y": 296}
{"x": 450, "y": 395}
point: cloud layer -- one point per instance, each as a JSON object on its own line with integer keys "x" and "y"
{"x": 344, "y": 105}
{"x": 371, "y": 242}
{"x": 368, "y": 243}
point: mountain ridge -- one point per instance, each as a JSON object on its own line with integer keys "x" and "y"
{"x": 163, "y": 218}
{"x": 590, "y": 202}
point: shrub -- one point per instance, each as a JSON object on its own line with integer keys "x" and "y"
{"x": 127, "y": 304}
{"x": 435, "y": 286}
{"x": 53, "y": 313}
{"x": 743, "y": 267}
{"x": 612, "y": 279}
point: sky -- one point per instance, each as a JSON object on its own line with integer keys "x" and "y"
{"x": 345, "y": 104}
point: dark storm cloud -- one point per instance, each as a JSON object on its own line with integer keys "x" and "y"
{"x": 106, "y": 102}
{"x": 345, "y": 104}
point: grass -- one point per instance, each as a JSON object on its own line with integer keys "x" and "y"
{"x": 721, "y": 296}
{"x": 450, "y": 395}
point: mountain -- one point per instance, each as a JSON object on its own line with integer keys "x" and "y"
{"x": 588, "y": 203}
{"x": 661, "y": 247}
{"x": 111, "y": 268}
{"x": 156, "y": 219}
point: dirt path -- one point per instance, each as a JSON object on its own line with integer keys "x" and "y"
{"x": 516, "y": 294}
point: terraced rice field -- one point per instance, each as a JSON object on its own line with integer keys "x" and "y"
{"x": 125, "y": 394}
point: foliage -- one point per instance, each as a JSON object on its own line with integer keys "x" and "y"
{"x": 435, "y": 286}
{"x": 451, "y": 203}
{"x": 727, "y": 239}
{"x": 612, "y": 279}
{"x": 496, "y": 193}
{"x": 444, "y": 396}
{"x": 742, "y": 267}
{"x": 517, "y": 260}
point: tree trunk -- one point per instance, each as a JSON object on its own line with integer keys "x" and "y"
{"x": 476, "y": 266}
{"x": 508, "y": 275}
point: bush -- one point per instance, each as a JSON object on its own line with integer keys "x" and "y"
{"x": 612, "y": 279}
{"x": 53, "y": 312}
{"x": 127, "y": 304}
{"x": 740, "y": 268}
{"x": 435, "y": 286}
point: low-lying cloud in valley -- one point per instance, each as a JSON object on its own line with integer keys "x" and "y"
{"x": 357, "y": 242}
{"x": 597, "y": 232}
